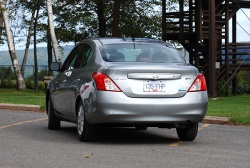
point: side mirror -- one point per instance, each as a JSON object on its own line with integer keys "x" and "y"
{"x": 55, "y": 66}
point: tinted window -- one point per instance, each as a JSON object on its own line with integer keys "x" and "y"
{"x": 140, "y": 53}
{"x": 72, "y": 60}
{"x": 79, "y": 57}
{"x": 87, "y": 53}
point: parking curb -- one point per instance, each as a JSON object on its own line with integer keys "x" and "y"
{"x": 20, "y": 107}
{"x": 216, "y": 120}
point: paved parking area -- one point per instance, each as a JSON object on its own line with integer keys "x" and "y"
{"x": 26, "y": 142}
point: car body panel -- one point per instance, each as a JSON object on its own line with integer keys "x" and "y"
{"x": 136, "y": 102}
{"x": 66, "y": 87}
{"x": 116, "y": 107}
{"x": 130, "y": 78}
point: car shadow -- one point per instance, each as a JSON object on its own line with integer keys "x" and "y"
{"x": 120, "y": 135}
{"x": 132, "y": 136}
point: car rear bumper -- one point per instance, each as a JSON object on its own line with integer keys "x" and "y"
{"x": 117, "y": 108}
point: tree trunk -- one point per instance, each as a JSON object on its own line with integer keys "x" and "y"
{"x": 1, "y": 23}
{"x": 116, "y": 16}
{"x": 49, "y": 49}
{"x": 52, "y": 31}
{"x": 28, "y": 42}
{"x": 19, "y": 77}
{"x": 35, "y": 53}
{"x": 164, "y": 20}
{"x": 101, "y": 18}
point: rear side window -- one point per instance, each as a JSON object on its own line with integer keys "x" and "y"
{"x": 79, "y": 57}
{"x": 72, "y": 60}
{"x": 129, "y": 52}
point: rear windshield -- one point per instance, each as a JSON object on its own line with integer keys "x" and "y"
{"x": 137, "y": 52}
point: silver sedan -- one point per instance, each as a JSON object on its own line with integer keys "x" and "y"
{"x": 134, "y": 82}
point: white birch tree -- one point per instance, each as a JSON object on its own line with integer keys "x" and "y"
{"x": 52, "y": 31}
{"x": 28, "y": 41}
{"x": 19, "y": 77}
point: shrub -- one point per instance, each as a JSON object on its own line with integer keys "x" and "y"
{"x": 8, "y": 83}
{"x": 30, "y": 84}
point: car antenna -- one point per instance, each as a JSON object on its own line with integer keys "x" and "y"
{"x": 133, "y": 39}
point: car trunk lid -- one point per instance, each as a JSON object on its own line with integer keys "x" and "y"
{"x": 152, "y": 79}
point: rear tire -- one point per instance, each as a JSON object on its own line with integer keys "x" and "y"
{"x": 188, "y": 133}
{"x": 86, "y": 132}
{"x": 53, "y": 122}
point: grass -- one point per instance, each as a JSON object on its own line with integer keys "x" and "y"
{"x": 23, "y": 97}
{"x": 235, "y": 107}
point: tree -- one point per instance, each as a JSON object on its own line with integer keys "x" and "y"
{"x": 5, "y": 73}
{"x": 101, "y": 17}
{"x": 77, "y": 20}
{"x": 116, "y": 16}
{"x": 72, "y": 18}
{"x": 20, "y": 80}
{"x": 52, "y": 31}
{"x": 35, "y": 53}
{"x": 1, "y": 25}
{"x": 49, "y": 50}
{"x": 28, "y": 41}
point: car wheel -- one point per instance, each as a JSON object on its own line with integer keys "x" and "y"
{"x": 188, "y": 133}
{"x": 86, "y": 132}
{"x": 141, "y": 128}
{"x": 53, "y": 122}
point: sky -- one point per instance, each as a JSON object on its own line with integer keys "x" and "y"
{"x": 244, "y": 21}
{"x": 242, "y": 35}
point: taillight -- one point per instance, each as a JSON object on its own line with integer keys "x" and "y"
{"x": 103, "y": 82}
{"x": 199, "y": 84}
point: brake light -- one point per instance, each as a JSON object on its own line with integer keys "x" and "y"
{"x": 103, "y": 82}
{"x": 199, "y": 84}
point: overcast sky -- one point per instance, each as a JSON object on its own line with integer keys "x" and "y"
{"x": 242, "y": 35}
{"x": 244, "y": 21}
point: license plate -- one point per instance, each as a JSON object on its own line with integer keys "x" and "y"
{"x": 154, "y": 86}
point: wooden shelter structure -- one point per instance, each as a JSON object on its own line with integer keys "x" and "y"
{"x": 202, "y": 27}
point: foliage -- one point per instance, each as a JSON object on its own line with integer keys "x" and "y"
{"x": 19, "y": 12}
{"x": 77, "y": 19}
{"x": 136, "y": 19}
{"x": 40, "y": 75}
{"x": 30, "y": 84}
{"x": 11, "y": 84}
{"x": 8, "y": 83}
{"x": 222, "y": 88}
{"x": 8, "y": 80}
{"x": 243, "y": 82}
{"x": 7, "y": 77}
{"x": 5, "y": 72}
{"x": 140, "y": 19}
{"x": 30, "y": 80}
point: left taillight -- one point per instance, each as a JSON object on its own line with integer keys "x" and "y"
{"x": 103, "y": 82}
{"x": 199, "y": 84}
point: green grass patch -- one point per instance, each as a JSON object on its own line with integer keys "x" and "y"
{"x": 235, "y": 107}
{"x": 14, "y": 96}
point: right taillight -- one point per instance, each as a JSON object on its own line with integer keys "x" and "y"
{"x": 103, "y": 82}
{"x": 199, "y": 84}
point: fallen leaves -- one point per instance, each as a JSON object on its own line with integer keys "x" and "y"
{"x": 88, "y": 155}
